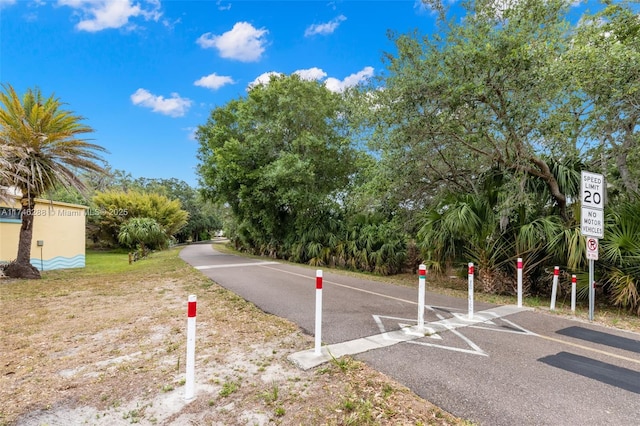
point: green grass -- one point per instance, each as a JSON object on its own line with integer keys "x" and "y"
{"x": 228, "y": 388}
{"x": 116, "y": 262}
{"x": 272, "y": 394}
{"x": 107, "y": 273}
{"x": 73, "y": 305}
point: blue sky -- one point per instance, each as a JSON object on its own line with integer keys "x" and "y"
{"x": 146, "y": 73}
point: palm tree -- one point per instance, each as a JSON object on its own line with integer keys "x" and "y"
{"x": 4, "y": 170}
{"x": 7, "y": 151}
{"x": 620, "y": 255}
{"x": 45, "y": 151}
{"x": 144, "y": 232}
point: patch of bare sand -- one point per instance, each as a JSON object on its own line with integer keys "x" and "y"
{"x": 112, "y": 353}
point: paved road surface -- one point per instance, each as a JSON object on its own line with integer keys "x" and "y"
{"x": 508, "y": 367}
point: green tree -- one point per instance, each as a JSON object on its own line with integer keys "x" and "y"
{"x": 277, "y": 157}
{"x": 203, "y": 218}
{"x": 114, "y": 208}
{"x": 468, "y": 227}
{"x": 142, "y": 232}
{"x": 47, "y": 150}
{"x": 604, "y": 61}
{"x": 488, "y": 92}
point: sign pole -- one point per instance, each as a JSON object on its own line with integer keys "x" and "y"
{"x": 593, "y": 193}
{"x": 592, "y": 290}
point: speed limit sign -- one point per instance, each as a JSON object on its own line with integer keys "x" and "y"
{"x": 593, "y": 189}
{"x": 592, "y": 207}
{"x": 592, "y": 248}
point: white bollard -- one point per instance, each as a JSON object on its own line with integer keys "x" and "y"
{"x": 519, "y": 265}
{"x": 189, "y": 389}
{"x": 318, "y": 331}
{"x": 471, "y": 272}
{"x": 573, "y": 293}
{"x": 554, "y": 288}
{"x": 422, "y": 270}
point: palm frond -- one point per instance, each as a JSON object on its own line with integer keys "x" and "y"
{"x": 46, "y": 144}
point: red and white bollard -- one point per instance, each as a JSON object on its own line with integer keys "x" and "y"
{"x": 422, "y": 270}
{"x": 189, "y": 389}
{"x": 519, "y": 265}
{"x": 318, "y": 331}
{"x": 554, "y": 288}
{"x": 470, "y": 306}
{"x": 573, "y": 293}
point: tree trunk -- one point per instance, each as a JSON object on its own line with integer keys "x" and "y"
{"x": 22, "y": 267}
{"x": 630, "y": 185}
{"x": 544, "y": 172}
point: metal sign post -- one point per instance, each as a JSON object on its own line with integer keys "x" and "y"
{"x": 592, "y": 256}
{"x": 592, "y": 289}
{"x": 592, "y": 188}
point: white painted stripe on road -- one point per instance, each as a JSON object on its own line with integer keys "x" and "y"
{"x": 495, "y": 312}
{"x": 349, "y": 287}
{"x": 465, "y": 322}
{"x": 309, "y": 359}
{"x": 234, "y": 265}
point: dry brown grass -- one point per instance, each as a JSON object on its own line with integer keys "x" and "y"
{"x": 105, "y": 345}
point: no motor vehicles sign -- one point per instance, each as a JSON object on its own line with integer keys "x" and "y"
{"x": 592, "y": 222}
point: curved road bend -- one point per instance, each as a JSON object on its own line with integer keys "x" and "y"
{"x": 507, "y": 367}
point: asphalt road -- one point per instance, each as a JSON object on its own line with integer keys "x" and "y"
{"x": 525, "y": 368}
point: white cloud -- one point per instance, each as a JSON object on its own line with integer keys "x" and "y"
{"x": 214, "y": 81}
{"x": 6, "y": 3}
{"x": 315, "y": 73}
{"x": 263, "y": 78}
{"x": 97, "y": 15}
{"x": 191, "y": 133}
{"x": 311, "y": 74}
{"x": 306, "y": 74}
{"x": 326, "y": 28}
{"x": 243, "y": 42}
{"x": 339, "y": 86}
{"x": 175, "y": 106}
{"x": 223, "y": 6}
{"x": 171, "y": 24}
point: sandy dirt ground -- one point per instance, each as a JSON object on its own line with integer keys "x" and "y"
{"x": 109, "y": 349}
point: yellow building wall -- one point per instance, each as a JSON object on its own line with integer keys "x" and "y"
{"x": 61, "y": 229}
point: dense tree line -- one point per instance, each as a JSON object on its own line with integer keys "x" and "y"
{"x": 114, "y": 197}
{"x": 468, "y": 148}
